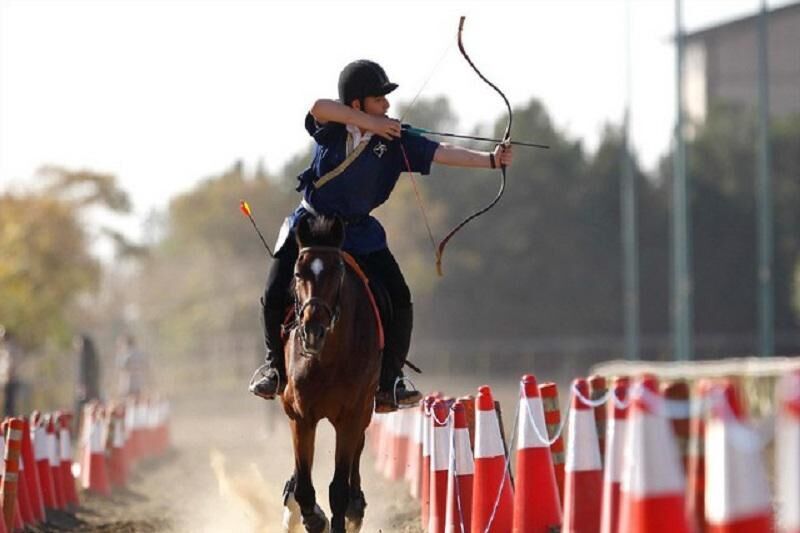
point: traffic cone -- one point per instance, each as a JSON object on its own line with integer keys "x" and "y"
{"x": 64, "y": 421}
{"x": 584, "y": 471}
{"x": 615, "y": 445}
{"x": 414, "y": 460}
{"x": 2, "y": 512}
{"x": 598, "y": 389}
{"x": 787, "y": 453}
{"x": 737, "y": 491}
{"x": 460, "y": 473}
{"x": 425, "y": 500}
{"x": 653, "y": 490}
{"x": 23, "y": 495}
{"x": 492, "y": 497}
{"x": 41, "y": 454}
{"x": 12, "y": 429}
{"x": 676, "y": 399}
{"x": 95, "y": 478}
{"x": 440, "y": 454}
{"x": 552, "y": 416}
{"x": 695, "y": 458}
{"x": 32, "y": 473}
{"x": 535, "y": 480}
{"x": 117, "y": 462}
{"x": 54, "y": 451}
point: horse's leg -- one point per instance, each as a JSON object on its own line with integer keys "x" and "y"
{"x": 357, "y": 503}
{"x": 349, "y": 436}
{"x": 303, "y": 434}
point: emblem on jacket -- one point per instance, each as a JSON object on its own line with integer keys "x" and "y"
{"x": 379, "y": 149}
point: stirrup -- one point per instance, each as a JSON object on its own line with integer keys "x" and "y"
{"x": 393, "y": 404}
{"x": 263, "y": 372}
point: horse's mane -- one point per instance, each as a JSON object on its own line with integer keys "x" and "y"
{"x": 320, "y": 231}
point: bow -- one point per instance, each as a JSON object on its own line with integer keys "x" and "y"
{"x": 506, "y": 139}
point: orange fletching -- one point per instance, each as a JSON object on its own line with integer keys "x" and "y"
{"x": 245, "y": 208}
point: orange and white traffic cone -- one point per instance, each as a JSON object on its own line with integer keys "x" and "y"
{"x": 440, "y": 454}
{"x": 615, "y": 446}
{"x": 95, "y": 477}
{"x": 12, "y": 428}
{"x": 32, "y": 474}
{"x": 117, "y": 462}
{"x": 552, "y": 416}
{"x": 492, "y": 495}
{"x": 535, "y": 478}
{"x": 597, "y": 390}
{"x": 23, "y": 494}
{"x": 460, "y": 475}
{"x": 65, "y": 444}
{"x": 695, "y": 457}
{"x": 676, "y": 399}
{"x": 425, "y": 499}
{"x": 584, "y": 470}
{"x": 54, "y": 451}
{"x": 414, "y": 459}
{"x": 41, "y": 454}
{"x": 787, "y": 453}
{"x": 737, "y": 490}
{"x": 652, "y": 494}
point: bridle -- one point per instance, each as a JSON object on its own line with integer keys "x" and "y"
{"x": 315, "y": 301}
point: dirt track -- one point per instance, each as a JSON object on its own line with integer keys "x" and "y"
{"x": 232, "y": 455}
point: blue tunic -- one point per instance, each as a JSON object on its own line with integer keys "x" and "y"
{"x": 364, "y": 185}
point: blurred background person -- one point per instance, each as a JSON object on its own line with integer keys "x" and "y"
{"x": 10, "y": 354}
{"x": 88, "y": 386}
{"x": 133, "y": 367}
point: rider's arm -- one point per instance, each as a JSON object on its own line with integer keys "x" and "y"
{"x": 325, "y": 111}
{"x": 457, "y": 156}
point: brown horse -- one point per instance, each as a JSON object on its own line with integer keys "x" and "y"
{"x": 333, "y": 358}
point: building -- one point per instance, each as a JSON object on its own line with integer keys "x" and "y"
{"x": 721, "y": 64}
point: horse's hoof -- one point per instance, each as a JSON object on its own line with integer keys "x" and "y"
{"x": 292, "y": 521}
{"x": 316, "y": 522}
{"x": 354, "y": 516}
{"x": 352, "y": 525}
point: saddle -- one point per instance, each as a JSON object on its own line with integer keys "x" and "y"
{"x": 379, "y": 299}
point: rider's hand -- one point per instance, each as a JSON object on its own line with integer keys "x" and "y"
{"x": 388, "y": 128}
{"x": 503, "y": 155}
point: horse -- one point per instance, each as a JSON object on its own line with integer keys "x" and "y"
{"x": 333, "y": 358}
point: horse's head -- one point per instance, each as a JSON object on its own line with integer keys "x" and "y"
{"x": 318, "y": 278}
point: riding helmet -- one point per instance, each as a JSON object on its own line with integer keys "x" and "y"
{"x": 363, "y": 78}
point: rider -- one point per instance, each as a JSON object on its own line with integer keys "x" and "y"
{"x": 358, "y": 157}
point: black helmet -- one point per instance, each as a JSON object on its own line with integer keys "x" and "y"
{"x": 363, "y": 78}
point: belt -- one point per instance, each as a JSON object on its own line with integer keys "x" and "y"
{"x": 348, "y": 220}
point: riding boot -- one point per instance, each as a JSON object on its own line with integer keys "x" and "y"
{"x": 270, "y": 378}
{"x": 392, "y": 391}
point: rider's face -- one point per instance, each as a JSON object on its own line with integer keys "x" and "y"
{"x": 374, "y": 105}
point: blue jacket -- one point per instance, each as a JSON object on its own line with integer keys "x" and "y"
{"x": 364, "y": 185}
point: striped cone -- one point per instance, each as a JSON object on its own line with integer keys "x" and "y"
{"x": 616, "y": 430}
{"x": 117, "y": 462}
{"x": 13, "y": 430}
{"x": 23, "y": 494}
{"x": 32, "y": 474}
{"x": 535, "y": 478}
{"x": 65, "y": 444}
{"x": 440, "y": 453}
{"x": 597, "y": 389}
{"x": 737, "y": 491}
{"x": 695, "y": 458}
{"x": 652, "y": 494}
{"x": 95, "y": 477}
{"x": 552, "y": 416}
{"x": 460, "y": 473}
{"x": 425, "y": 499}
{"x": 584, "y": 471}
{"x": 41, "y": 454}
{"x": 492, "y": 498}
{"x": 414, "y": 470}
{"x": 676, "y": 398}
{"x": 787, "y": 450}
{"x": 54, "y": 453}
{"x": 468, "y": 402}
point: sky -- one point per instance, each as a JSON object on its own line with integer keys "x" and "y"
{"x": 164, "y": 93}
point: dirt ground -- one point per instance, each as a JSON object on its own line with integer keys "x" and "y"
{"x": 231, "y": 456}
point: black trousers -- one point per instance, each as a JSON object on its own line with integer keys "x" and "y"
{"x": 380, "y": 266}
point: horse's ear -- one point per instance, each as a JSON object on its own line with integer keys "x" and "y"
{"x": 337, "y": 231}
{"x": 303, "y": 230}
